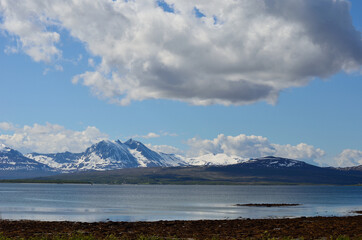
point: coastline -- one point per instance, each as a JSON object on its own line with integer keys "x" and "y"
{"x": 302, "y": 227}
{"x": 193, "y": 183}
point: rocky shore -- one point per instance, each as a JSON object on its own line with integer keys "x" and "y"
{"x": 304, "y": 227}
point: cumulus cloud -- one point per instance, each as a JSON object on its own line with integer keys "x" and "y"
{"x": 300, "y": 151}
{"x": 25, "y": 20}
{"x": 349, "y": 158}
{"x": 230, "y": 52}
{"x": 6, "y": 126}
{"x": 252, "y": 147}
{"x": 50, "y": 138}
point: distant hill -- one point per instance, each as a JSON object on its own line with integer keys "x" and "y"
{"x": 355, "y": 168}
{"x": 267, "y": 170}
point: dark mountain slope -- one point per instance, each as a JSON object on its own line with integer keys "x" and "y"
{"x": 355, "y": 168}
{"x": 269, "y": 170}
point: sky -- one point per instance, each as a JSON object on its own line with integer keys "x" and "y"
{"x": 248, "y": 77}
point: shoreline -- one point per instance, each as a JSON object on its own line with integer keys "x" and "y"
{"x": 300, "y": 227}
{"x": 19, "y": 181}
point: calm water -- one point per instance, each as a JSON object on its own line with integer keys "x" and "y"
{"x": 165, "y": 202}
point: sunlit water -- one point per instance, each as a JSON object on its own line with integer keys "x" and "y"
{"x": 56, "y": 202}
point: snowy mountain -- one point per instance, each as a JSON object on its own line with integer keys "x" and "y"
{"x": 214, "y": 159}
{"x": 107, "y": 155}
{"x": 66, "y": 161}
{"x": 274, "y": 162}
{"x": 111, "y": 155}
{"x": 149, "y": 158}
{"x": 13, "y": 164}
{"x": 130, "y": 162}
{"x": 266, "y": 170}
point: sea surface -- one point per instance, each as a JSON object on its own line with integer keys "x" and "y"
{"x": 90, "y": 203}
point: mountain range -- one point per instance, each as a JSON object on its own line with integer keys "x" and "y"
{"x": 265, "y": 170}
{"x": 135, "y": 158}
{"x": 104, "y": 155}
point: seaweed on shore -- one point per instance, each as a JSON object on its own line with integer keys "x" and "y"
{"x": 241, "y": 229}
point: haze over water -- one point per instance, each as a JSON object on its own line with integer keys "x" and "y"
{"x": 89, "y": 203}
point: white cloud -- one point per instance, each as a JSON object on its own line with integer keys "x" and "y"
{"x": 301, "y": 151}
{"x": 155, "y": 135}
{"x": 252, "y": 147}
{"x": 26, "y": 21}
{"x": 349, "y": 157}
{"x": 6, "y": 126}
{"x": 163, "y": 133}
{"x": 240, "y": 52}
{"x": 50, "y": 138}
{"x": 147, "y": 136}
{"x": 151, "y": 135}
{"x": 165, "y": 149}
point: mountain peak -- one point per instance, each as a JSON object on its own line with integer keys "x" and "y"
{"x": 131, "y": 141}
{"x": 134, "y": 144}
{"x": 105, "y": 142}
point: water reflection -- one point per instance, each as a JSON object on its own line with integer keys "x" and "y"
{"x": 149, "y": 203}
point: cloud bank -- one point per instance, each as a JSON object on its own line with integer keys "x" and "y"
{"x": 201, "y": 52}
{"x": 53, "y": 138}
{"x": 49, "y": 138}
{"x": 165, "y": 149}
{"x": 349, "y": 158}
{"x": 253, "y": 147}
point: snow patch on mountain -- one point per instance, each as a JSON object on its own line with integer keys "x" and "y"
{"x": 93, "y": 162}
{"x": 142, "y": 160}
{"x": 45, "y": 160}
{"x": 173, "y": 160}
{"x": 64, "y": 162}
{"x": 149, "y": 158}
{"x": 215, "y": 159}
{"x": 277, "y": 162}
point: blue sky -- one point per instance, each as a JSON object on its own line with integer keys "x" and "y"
{"x": 323, "y": 113}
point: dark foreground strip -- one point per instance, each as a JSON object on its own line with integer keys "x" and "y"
{"x": 306, "y": 228}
